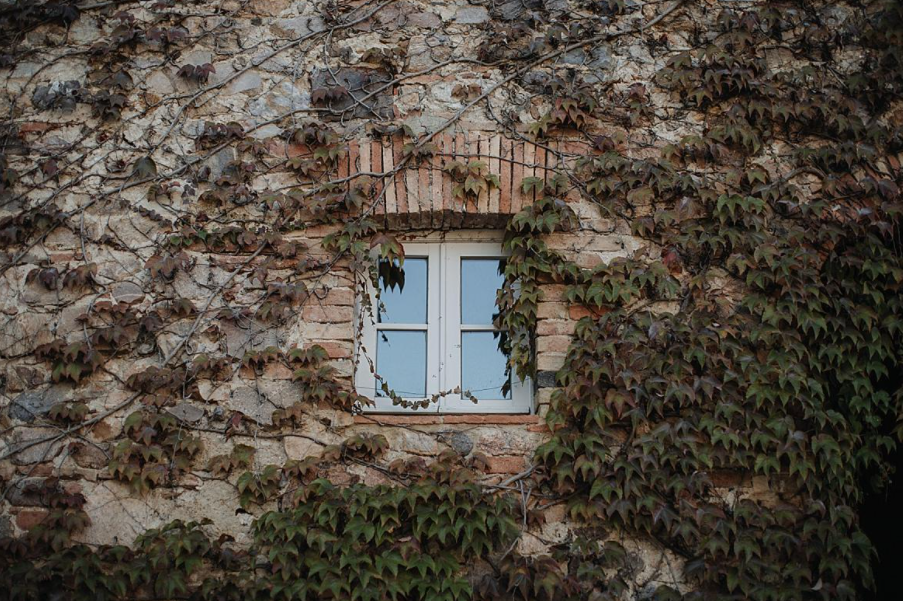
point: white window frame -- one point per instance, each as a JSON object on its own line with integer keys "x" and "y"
{"x": 444, "y": 329}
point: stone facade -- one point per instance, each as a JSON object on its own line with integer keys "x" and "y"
{"x": 403, "y": 63}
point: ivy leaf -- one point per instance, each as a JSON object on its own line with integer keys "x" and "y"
{"x": 145, "y": 168}
{"x": 532, "y": 184}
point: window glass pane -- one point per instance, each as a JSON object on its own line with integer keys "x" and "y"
{"x": 401, "y": 361}
{"x": 483, "y": 365}
{"x": 406, "y": 304}
{"x": 480, "y": 279}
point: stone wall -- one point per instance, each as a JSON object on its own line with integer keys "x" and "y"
{"x": 107, "y": 127}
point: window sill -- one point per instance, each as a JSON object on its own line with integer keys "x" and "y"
{"x": 475, "y": 419}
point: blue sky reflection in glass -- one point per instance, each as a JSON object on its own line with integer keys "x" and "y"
{"x": 408, "y": 304}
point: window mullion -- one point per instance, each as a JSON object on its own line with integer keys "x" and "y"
{"x": 434, "y": 333}
{"x": 452, "y": 329}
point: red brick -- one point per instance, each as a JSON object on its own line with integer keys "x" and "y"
{"x": 529, "y": 171}
{"x": 328, "y": 331}
{"x": 390, "y": 181}
{"x": 328, "y": 314}
{"x": 272, "y": 371}
{"x": 27, "y": 519}
{"x": 579, "y": 312}
{"x": 336, "y": 350}
{"x": 480, "y": 145}
{"x": 459, "y": 204}
{"x": 517, "y": 177}
{"x": 506, "y": 465}
{"x": 376, "y": 166}
{"x": 339, "y": 296}
{"x": 421, "y": 197}
{"x": 354, "y": 155}
{"x": 295, "y": 150}
{"x": 495, "y": 163}
{"x": 551, "y": 327}
{"x": 552, "y": 311}
{"x": 554, "y": 292}
{"x": 424, "y": 195}
{"x": 550, "y": 361}
{"x": 342, "y": 171}
{"x": 437, "y": 200}
{"x": 448, "y": 199}
{"x": 505, "y": 176}
{"x": 553, "y": 344}
{"x": 365, "y": 164}
{"x": 540, "y": 160}
{"x": 34, "y": 126}
{"x": 401, "y": 191}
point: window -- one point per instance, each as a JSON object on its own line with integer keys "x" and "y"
{"x": 436, "y": 334}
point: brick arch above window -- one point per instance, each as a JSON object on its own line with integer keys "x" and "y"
{"x": 420, "y": 197}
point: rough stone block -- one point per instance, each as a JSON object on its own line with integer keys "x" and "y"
{"x": 471, "y": 15}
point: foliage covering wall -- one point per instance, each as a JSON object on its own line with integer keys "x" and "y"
{"x": 702, "y": 208}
